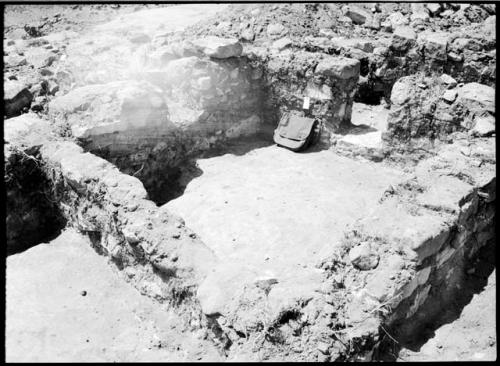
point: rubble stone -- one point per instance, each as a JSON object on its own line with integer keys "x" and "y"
{"x": 276, "y": 30}
{"x": 478, "y": 98}
{"x": 342, "y": 68}
{"x": 450, "y": 95}
{"x": 17, "y": 98}
{"x": 484, "y": 126}
{"x": 358, "y": 15}
{"x": 363, "y": 257}
{"x": 448, "y": 81}
{"x": 219, "y": 47}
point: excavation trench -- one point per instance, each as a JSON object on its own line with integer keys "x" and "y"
{"x": 230, "y": 199}
{"x": 255, "y": 205}
{"x": 259, "y": 218}
{"x": 220, "y": 209}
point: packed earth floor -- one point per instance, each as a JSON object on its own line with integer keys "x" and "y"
{"x": 151, "y": 217}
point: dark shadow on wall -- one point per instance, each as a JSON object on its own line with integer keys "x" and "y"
{"x": 172, "y": 183}
{"x": 415, "y": 331}
{"x": 32, "y": 215}
{"x": 166, "y": 172}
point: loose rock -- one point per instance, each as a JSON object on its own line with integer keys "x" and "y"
{"x": 217, "y": 47}
{"x": 363, "y": 257}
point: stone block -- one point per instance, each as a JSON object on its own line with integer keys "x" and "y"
{"x": 448, "y": 81}
{"x": 403, "y": 38}
{"x": 363, "y": 257}
{"x": 276, "y": 30}
{"x": 338, "y": 67}
{"x": 17, "y": 98}
{"x": 478, "y": 98}
{"x": 357, "y": 14}
{"x": 218, "y": 47}
{"x": 435, "y": 44}
{"x": 484, "y": 126}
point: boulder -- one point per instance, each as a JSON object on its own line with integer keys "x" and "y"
{"x": 180, "y": 73}
{"x": 108, "y": 108}
{"x": 185, "y": 49}
{"x": 490, "y": 8}
{"x": 224, "y": 27}
{"x": 448, "y": 81}
{"x": 461, "y": 44}
{"x": 489, "y": 27}
{"x": 363, "y": 257}
{"x": 338, "y": 67}
{"x": 419, "y": 12}
{"x": 455, "y": 57}
{"x": 16, "y": 98}
{"x": 220, "y": 48}
{"x": 358, "y": 15}
{"x": 373, "y": 22}
{"x": 40, "y": 57}
{"x": 395, "y": 262}
{"x": 164, "y": 54}
{"x": 397, "y": 19}
{"x": 37, "y": 104}
{"x": 401, "y": 92}
{"x": 403, "y": 38}
{"x": 364, "y": 45}
{"x": 450, "y": 96}
{"x": 434, "y": 8}
{"x": 276, "y": 30}
{"x": 478, "y": 98}
{"x": 247, "y": 35}
{"x": 14, "y": 60}
{"x": 282, "y": 43}
{"x": 435, "y": 44}
{"x": 484, "y": 126}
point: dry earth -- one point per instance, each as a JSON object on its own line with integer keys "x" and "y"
{"x": 472, "y": 337}
{"x": 64, "y": 303}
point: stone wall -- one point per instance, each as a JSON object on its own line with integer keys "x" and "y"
{"x": 328, "y": 81}
{"x": 467, "y": 54}
{"x": 153, "y": 248}
{"x": 187, "y": 97}
{"x": 424, "y": 109}
{"x": 426, "y": 232}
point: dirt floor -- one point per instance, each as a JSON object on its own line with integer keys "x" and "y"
{"x": 259, "y": 209}
{"x": 472, "y": 337}
{"x": 65, "y": 303}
